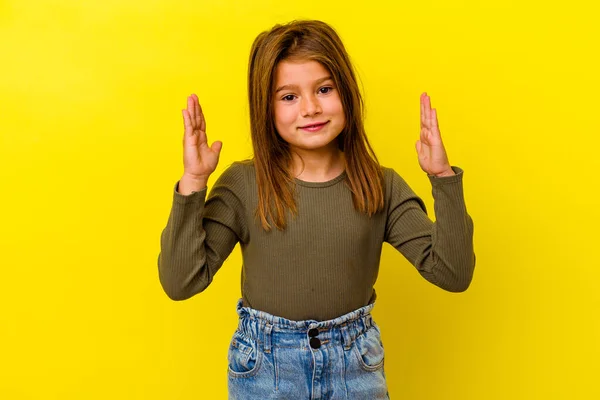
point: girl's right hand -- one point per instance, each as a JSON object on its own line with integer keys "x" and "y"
{"x": 199, "y": 160}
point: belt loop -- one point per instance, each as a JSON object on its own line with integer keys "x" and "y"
{"x": 369, "y": 321}
{"x": 346, "y": 337}
{"x": 239, "y": 327}
{"x": 268, "y": 329}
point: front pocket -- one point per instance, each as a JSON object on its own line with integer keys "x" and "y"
{"x": 368, "y": 348}
{"x": 243, "y": 356}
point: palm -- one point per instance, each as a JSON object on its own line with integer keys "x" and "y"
{"x": 432, "y": 154}
{"x": 199, "y": 159}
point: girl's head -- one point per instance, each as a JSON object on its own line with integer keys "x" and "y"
{"x": 300, "y": 74}
{"x": 300, "y": 53}
{"x": 307, "y": 108}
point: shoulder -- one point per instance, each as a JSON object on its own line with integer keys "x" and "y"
{"x": 237, "y": 170}
{"x": 396, "y": 187}
{"x": 236, "y": 176}
{"x": 392, "y": 179}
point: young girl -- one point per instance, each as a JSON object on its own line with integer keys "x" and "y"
{"x": 311, "y": 211}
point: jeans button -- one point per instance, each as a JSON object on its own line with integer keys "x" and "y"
{"x": 315, "y": 343}
{"x": 313, "y": 332}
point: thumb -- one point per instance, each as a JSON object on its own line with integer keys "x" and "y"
{"x": 216, "y": 147}
{"x": 418, "y": 146}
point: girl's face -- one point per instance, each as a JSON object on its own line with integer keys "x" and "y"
{"x": 308, "y": 109}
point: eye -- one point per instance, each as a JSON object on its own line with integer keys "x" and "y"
{"x": 288, "y": 97}
{"x": 325, "y": 89}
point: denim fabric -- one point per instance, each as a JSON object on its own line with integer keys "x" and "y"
{"x": 271, "y": 357}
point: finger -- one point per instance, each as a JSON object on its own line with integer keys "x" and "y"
{"x": 195, "y": 120}
{"x": 199, "y": 117}
{"x": 428, "y": 110}
{"x": 193, "y": 110}
{"x": 434, "y": 123}
{"x": 187, "y": 123}
{"x": 425, "y": 136}
{"x": 422, "y": 110}
{"x": 202, "y": 124}
{"x": 196, "y": 110}
{"x": 190, "y": 110}
{"x": 202, "y": 140}
{"x": 217, "y": 146}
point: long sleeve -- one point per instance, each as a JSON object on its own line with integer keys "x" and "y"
{"x": 201, "y": 233}
{"x": 442, "y": 251}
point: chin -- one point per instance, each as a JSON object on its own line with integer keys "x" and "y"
{"x": 316, "y": 145}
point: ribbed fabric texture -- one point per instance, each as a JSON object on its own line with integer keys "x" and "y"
{"x": 326, "y": 261}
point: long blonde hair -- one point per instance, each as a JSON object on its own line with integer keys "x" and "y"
{"x": 317, "y": 41}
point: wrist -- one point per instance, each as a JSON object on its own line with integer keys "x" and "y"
{"x": 448, "y": 172}
{"x": 189, "y": 184}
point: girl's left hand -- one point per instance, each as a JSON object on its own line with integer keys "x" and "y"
{"x": 432, "y": 154}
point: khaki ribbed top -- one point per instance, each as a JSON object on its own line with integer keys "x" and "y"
{"x": 326, "y": 261}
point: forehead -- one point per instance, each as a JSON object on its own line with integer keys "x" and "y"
{"x": 299, "y": 72}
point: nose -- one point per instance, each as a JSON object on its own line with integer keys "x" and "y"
{"x": 310, "y": 106}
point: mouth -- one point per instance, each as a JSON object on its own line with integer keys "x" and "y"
{"x": 314, "y": 127}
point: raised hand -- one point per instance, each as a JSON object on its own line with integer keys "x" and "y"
{"x": 199, "y": 160}
{"x": 430, "y": 149}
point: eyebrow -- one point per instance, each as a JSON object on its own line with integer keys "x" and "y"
{"x": 284, "y": 87}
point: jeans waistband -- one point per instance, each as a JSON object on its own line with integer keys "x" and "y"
{"x": 266, "y": 328}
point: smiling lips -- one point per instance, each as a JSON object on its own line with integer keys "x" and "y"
{"x": 314, "y": 127}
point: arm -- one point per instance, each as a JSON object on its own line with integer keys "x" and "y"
{"x": 442, "y": 251}
{"x": 201, "y": 233}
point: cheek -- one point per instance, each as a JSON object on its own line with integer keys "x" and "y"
{"x": 334, "y": 106}
{"x": 338, "y": 110}
{"x": 284, "y": 116}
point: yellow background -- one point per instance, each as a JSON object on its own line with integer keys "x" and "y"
{"x": 91, "y": 145}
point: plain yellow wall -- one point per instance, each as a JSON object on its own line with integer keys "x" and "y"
{"x": 91, "y": 145}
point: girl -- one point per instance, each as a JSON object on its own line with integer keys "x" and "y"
{"x": 311, "y": 211}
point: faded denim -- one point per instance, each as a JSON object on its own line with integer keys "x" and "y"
{"x": 270, "y": 358}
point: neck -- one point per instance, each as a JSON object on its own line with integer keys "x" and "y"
{"x": 317, "y": 165}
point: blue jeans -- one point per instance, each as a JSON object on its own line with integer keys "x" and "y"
{"x": 276, "y": 358}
